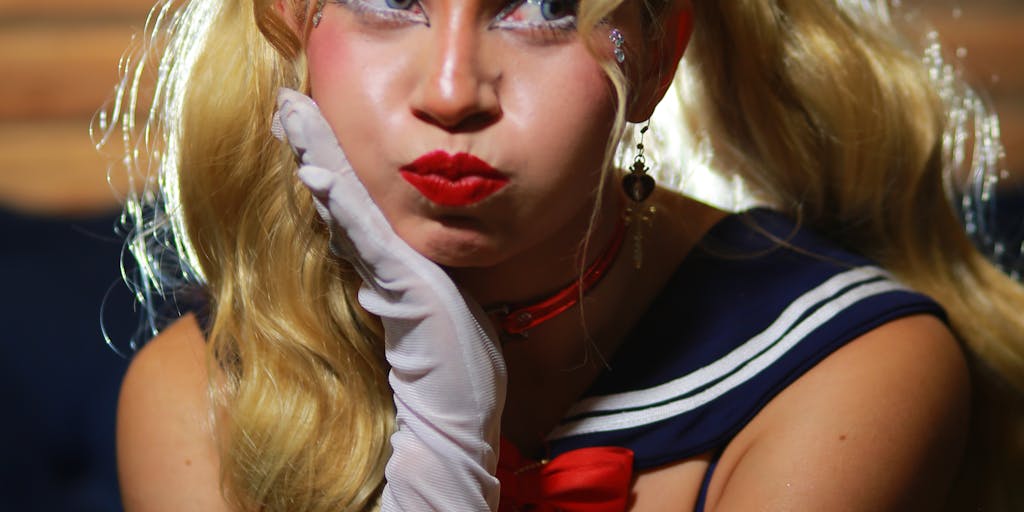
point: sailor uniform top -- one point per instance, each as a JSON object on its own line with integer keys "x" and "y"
{"x": 758, "y": 302}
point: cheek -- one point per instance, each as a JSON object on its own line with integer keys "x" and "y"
{"x": 568, "y": 107}
{"x": 563, "y": 86}
{"x": 346, "y": 82}
{"x": 330, "y": 58}
{"x": 346, "y": 75}
{"x": 338, "y": 78}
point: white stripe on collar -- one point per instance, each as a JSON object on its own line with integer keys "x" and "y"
{"x": 743, "y": 363}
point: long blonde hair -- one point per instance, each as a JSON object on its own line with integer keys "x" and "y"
{"x": 303, "y": 407}
{"x": 827, "y": 113}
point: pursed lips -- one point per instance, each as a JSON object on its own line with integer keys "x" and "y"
{"x": 453, "y": 180}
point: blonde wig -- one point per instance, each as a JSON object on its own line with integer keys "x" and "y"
{"x": 826, "y": 113}
{"x": 815, "y": 104}
{"x": 303, "y": 410}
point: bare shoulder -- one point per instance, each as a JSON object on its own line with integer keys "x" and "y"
{"x": 878, "y": 425}
{"x": 166, "y": 456}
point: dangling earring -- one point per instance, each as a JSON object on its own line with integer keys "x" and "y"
{"x": 638, "y": 186}
{"x": 319, "y": 14}
{"x": 618, "y": 41}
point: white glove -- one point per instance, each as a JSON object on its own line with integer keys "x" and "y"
{"x": 447, "y": 372}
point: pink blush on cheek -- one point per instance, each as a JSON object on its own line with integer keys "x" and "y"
{"x": 336, "y": 80}
{"x": 347, "y": 67}
{"x": 327, "y": 51}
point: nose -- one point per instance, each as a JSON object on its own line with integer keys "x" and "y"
{"x": 458, "y": 86}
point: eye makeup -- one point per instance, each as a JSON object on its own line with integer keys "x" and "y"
{"x": 547, "y": 19}
{"x": 387, "y": 13}
{"x": 540, "y": 20}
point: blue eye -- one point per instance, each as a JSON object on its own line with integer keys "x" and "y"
{"x": 400, "y": 4}
{"x": 555, "y": 9}
{"x": 388, "y": 13}
{"x": 552, "y": 15}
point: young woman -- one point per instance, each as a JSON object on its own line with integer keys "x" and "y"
{"x": 457, "y": 273}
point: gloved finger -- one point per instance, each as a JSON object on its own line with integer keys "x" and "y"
{"x": 355, "y": 213}
{"x": 318, "y": 180}
{"x": 359, "y": 231}
{"x": 308, "y": 132}
{"x": 340, "y": 243}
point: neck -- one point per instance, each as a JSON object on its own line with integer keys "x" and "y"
{"x": 614, "y": 304}
{"x": 551, "y": 368}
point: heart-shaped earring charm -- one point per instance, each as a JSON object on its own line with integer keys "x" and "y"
{"x": 638, "y": 186}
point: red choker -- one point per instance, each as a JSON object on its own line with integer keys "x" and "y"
{"x": 517, "y": 320}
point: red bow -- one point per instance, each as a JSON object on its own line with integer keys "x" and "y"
{"x": 593, "y": 479}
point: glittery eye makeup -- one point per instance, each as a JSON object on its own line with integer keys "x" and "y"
{"x": 545, "y": 20}
{"x": 387, "y": 13}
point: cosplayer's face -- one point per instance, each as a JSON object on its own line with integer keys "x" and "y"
{"x": 477, "y": 126}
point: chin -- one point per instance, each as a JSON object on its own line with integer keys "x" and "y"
{"x": 458, "y": 249}
{"x": 461, "y": 255}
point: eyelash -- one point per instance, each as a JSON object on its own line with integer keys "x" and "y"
{"x": 552, "y": 30}
{"x": 392, "y": 18}
{"x": 556, "y": 28}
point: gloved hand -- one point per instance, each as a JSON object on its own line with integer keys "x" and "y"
{"x": 447, "y": 372}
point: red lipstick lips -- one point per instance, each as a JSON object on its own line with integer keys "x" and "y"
{"x": 453, "y": 180}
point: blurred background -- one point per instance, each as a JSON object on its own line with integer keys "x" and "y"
{"x": 59, "y": 252}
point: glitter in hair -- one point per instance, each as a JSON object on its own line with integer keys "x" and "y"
{"x": 971, "y": 146}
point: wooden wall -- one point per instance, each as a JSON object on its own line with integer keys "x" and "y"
{"x": 59, "y": 61}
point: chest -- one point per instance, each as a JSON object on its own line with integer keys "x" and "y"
{"x": 537, "y": 399}
{"x": 674, "y": 487}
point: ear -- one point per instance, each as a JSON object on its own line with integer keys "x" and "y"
{"x": 659, "y": 69}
